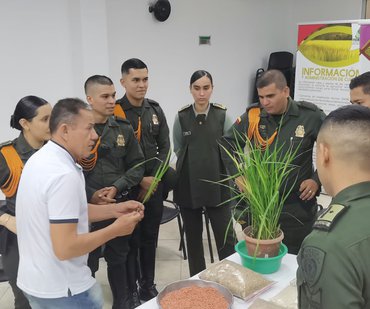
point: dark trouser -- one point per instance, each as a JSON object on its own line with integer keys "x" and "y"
{"x": 11, "y": 261}
{"x": 296, "y": 221}
{"x": 149, "y": 229}
{"x": 220, "y": 218}
{"x": 116, "y": 254}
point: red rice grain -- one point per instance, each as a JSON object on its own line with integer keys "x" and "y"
{"x": 194, "y": 297}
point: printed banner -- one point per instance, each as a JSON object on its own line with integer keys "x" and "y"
{"x": 329, "y": 55}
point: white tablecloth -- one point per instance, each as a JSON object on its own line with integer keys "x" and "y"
{"x": 283, "y": 278}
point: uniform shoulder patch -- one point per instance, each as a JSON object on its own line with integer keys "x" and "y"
{"x": 329, "y": 217}
{"x": 150, "y": 101}
{"x": 184, "y": 107}
{"x": 6, "y": 144}
{"x": 311, "y": 261}
{"x": 219, "y": 105}
{"x": 308, "y": 105}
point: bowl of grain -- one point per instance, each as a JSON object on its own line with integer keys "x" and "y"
{"x": 194, "y": 293}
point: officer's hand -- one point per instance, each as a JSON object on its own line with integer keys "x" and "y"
{"x": 103, "y": 196}
{"x": 127, "y": 207}
{"x": 111, "y": 193}
{"x": 241, "y": 183}
{"x": 141, "y": 195}
{"x": 146, "y": 182}
{"x": 9, "y": 222}
{"x": 308, "y": 189}
{"x": 125, "y": 224}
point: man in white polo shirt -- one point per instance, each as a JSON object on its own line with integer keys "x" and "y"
{"x": 53, "y": 214}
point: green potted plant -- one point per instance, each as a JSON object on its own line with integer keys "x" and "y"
{"x": 261, "y": 178}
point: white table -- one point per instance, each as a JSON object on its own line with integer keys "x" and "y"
{"x": 283, "y": 278}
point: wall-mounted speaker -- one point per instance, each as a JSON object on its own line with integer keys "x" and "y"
{"x": 161, "y": 9}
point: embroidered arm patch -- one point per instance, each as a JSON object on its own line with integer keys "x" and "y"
{"x": 311, "y": 261}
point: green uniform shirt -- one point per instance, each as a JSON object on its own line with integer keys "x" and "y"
{"x": 333, "y": 263}
{"x": 199, "y": 157}
{"x": 119, "y": 158}
{"x": 155, "y": 141}
{"x": 299, "y": 128}
{"x": 177, "y": 134}
{"x": 25, "y": 151}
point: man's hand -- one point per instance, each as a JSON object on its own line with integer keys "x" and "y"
{"x": 308, "y": 189}
{"x": 146, "y": 182}
{"x": 125, "y": 224}
{"x": 240, "y": 182}
{"x": 104, "y": 196}
{"x": 144, "y": 187}
{"x": 127, "y": 207}
{"x": 9, "y": 222}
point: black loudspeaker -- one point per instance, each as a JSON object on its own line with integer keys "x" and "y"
{"x": 161, "y": 9}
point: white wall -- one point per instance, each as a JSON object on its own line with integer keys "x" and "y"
{"x": 49, "y": 47}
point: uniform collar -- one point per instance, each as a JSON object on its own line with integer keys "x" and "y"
{"x": 351, "y": 193}
{"x": 205, "y": 112}
{"x": 111, "y": 122}
{"x": 126, "y": 105}
{"x": 23, "y": 146}
{"x": 292, "y": 110}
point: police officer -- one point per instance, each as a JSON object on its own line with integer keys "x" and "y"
{"x": 197, "y": 130}
{"x": 333, "y": 263}
{"x": 151, "y": 130}
{"x": 360, "y": 89}
{"x": 280, "y": 121}
{"x": 31, "y": 117}
{"x": 111, "y": 171}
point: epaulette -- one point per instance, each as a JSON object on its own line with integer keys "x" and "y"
{"x": 329, "y": 217}
{"x": 184, "y": 107}
{"x": 253, "y": 105}
{"x": 152, "y": 102}
{"x": 308, "y": 105}
{"x": 219, "y": 106}
{"x": 6, "y": 144}
{"x": 120, "y": 119}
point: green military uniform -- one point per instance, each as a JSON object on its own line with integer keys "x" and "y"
{"x": 333, "y": 263}
{"x": 298, "y": 129}
{"x": 118, "y": 158}
{"x": 154, "y": 141}
{"x": 8, "y": 240}
{"x": 150, "y": 126}
{"x": 25, "y": 151}
{"x": 120, "y": 164}
{"x": 198, "y": 151}
{"x": 196, "y": 138}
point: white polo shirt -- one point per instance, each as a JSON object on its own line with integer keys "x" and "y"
{"x": 51, "y": 190}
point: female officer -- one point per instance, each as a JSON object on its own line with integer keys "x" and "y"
{"x": 31, "y": 117}
{"x": 197, "y": 130}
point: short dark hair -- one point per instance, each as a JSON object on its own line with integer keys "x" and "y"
{"x": 199, "y": 74}
{"x": 65, "y": 111}
{"x": 26, "y": 108}
{"x": 363, "y": 81}
{"x": 272, "y": 77}
{"x": 348, "y": 114}
{"x": 132, "y": 63}
{"x": 97, "y": 79}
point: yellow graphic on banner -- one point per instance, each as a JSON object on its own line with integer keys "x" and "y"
{"x": 330, "y": 47}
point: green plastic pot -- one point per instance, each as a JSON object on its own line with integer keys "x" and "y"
{"x": 260, "y": 265}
